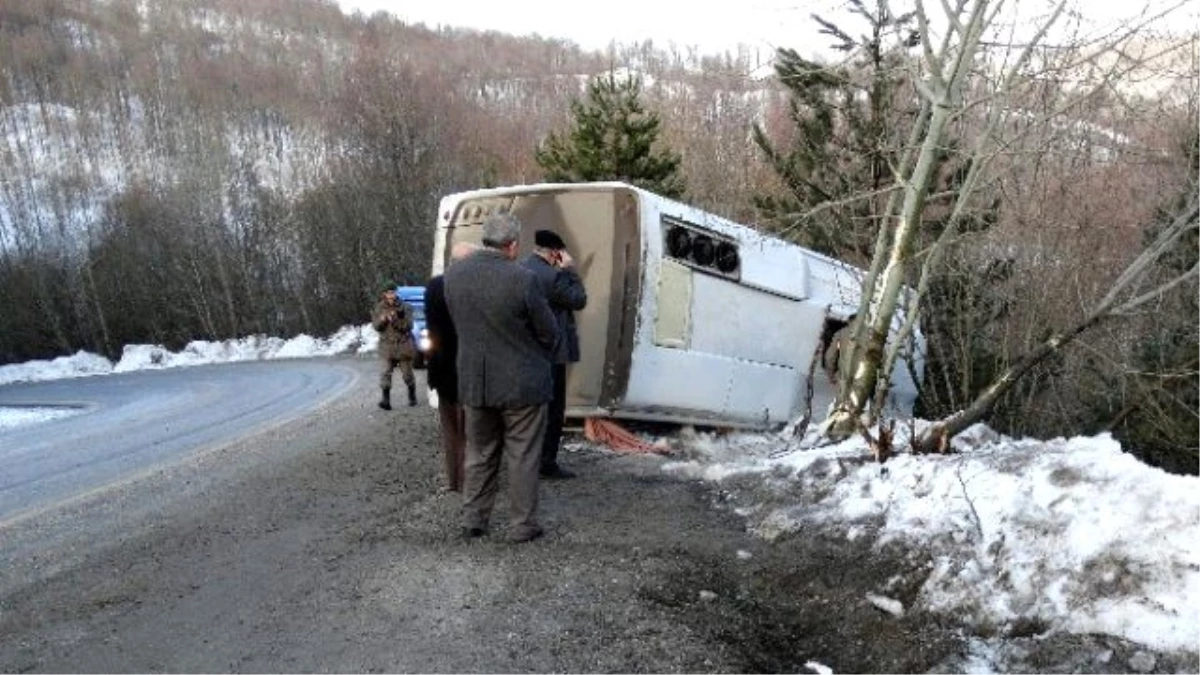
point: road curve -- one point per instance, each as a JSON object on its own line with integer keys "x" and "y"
{"x": 131, "y": 422}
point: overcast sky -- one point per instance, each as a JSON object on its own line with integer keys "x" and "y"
{"x": 713, "y": 27}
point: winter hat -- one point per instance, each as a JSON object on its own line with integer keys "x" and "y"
{"x": 548, "y": 239}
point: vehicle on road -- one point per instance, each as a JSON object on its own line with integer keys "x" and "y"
{"x": 415, "y": 297}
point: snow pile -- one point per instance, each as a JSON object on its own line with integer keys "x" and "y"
{"x": 347, "y": 340}
{"x": 78, "y": 365}
{"x": 20, "y": 416}
{"x": 1073, "y": 533}
{"x": 253, "y": 348}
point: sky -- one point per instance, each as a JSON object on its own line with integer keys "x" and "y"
{"x": 1071, "y": 530}
{"x": 712, "y": 27}
{"x": 763, "y": 24}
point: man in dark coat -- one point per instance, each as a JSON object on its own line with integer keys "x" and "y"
{"x": 393, "y": 320}
{"x": 506, "y": 335}
{"x": 554, "y": 269}
{"x": 442, "y": 372}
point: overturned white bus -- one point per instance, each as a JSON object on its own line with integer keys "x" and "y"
{"x": 690, "y": 318}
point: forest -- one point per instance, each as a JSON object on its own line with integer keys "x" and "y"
{"x": 211, "y": 169}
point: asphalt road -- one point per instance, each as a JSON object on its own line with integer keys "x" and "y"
{"x": 133, "y": 422}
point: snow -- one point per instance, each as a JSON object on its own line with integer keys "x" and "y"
{"x": 79, "y": 365}
{"x": 48, "y": 145}
{"x": 1072, "y": 532}
{"x": 15, "y": 417}
{"x": 889, "y": 605}
{"x": 347, "y": 340}
{"x": 819, "y": 668}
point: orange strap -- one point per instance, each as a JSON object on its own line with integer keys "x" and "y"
{"x": 617, "y": 437}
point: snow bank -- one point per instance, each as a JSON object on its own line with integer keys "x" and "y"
{"x": 347, "y": 340}
{"x": 79, "y": 365}
{"x": 1073, "y": 533}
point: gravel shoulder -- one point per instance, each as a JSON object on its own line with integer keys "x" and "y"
{"x": 326, "y": 544}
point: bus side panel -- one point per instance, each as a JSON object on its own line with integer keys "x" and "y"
{"x": 835, "y": 285}
{"x": 728, "y": 352}
{"x": 763, "y": 393}
{"x": 741, "y": 322}
{"x": 774, "y": 265}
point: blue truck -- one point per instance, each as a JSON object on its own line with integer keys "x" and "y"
{"x": 415, "y": 297}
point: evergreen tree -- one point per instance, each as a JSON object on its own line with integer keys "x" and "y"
{"x": 612, "y": 138}
{"x": 839, "y": 158}
{"x": 837, "y": 171}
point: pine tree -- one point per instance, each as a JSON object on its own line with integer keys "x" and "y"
{"x": 837, "y": 173}
{"x": 612, "y": 138}
{"x": 839, "y": 159}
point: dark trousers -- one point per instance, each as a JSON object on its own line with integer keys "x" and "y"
{"x": 516, "y": 434}
{"x": 454, "y": 442}
{"x": 555, "y": 412}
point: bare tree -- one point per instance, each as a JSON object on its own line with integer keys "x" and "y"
{"x": 963, "y": 80}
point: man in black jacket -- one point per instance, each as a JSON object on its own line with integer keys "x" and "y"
{"x": 506, "y": 335}
{"x": 555, "y": 272}
{"x": 442, "y": 372}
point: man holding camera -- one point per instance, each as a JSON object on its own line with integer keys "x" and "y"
{"x": 555, "y": 272}
{"x": 393, "y": 319}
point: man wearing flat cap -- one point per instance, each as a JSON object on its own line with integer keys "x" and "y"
{"x": 555, "y": 272}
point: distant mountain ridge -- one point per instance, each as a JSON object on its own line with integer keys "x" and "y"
{"x": 206, "y": 169}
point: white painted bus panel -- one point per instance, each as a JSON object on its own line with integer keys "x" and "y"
{"x": 726, "y": 322}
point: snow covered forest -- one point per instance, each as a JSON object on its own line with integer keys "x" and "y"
{"x": 215, "y": 169}
{"x": 179, "y": 170}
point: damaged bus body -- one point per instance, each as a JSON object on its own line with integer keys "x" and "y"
{"x": 691, "y": 318}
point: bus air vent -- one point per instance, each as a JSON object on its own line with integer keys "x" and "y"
{"x": 704, "y": 252}
{"x": 727, "y": 257}
{"x": 679, "y": 242}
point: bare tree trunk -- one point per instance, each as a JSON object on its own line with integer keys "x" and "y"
{"x": 949, "y": 69}
{"x": 101, "y": 320}
{"x": 935, "y": 435}
{"x": 865, "y": 371}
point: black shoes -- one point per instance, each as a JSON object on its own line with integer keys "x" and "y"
{"x": 556, "y": 473}
{"x": 385, "y": 399}
{"x": 473, "y": 532}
